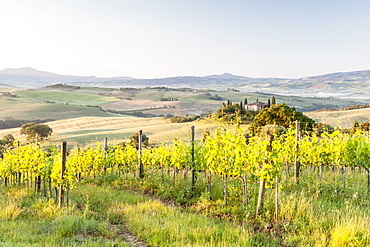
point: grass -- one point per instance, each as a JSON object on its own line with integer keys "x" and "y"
{"x": 158, "y": 224}
{"x": 310, "y": 214}
{"x": 26, "y": 110}
{"x": 74, "y": 97}
{"x": 117, "y": 129}
{"x": 99, "y": 215}
{"x": 27, "y": 219}
{"x": 343, "y": 119}
{"x": 79, "y": 132}
{"x": 96, "y": 138}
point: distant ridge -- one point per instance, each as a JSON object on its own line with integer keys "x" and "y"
{"x": 27, "y": 71}
{"x": 339, "y": 82}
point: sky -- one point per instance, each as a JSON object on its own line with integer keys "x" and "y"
{"x": 164, "y": 38}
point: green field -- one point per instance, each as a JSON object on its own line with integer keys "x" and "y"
{"x": 19, "y": 109}
{"x": 63, "y": 104}
{"x": 75, "y": 107}
{"x": 63, "y": 97}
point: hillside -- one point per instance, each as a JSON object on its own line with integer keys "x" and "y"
{"x": 63, "y": 102}
{"x": 345, "y": 85}
{"x": 85, "y": 130}
{"x": 343, "y": 119}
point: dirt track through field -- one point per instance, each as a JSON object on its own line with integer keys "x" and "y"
{"x": 129, "y": 238}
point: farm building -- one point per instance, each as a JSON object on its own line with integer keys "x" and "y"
{"x": 256, "y": 106}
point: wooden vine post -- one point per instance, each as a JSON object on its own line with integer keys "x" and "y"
{"x": 261, "y": 194}
{"x": 192, "y": 158}
{"x": 105, "y": 144}
{"x": 276, "y": 198}
{"x": 62, "y": 171}
{"x": 343, "y": 177}
{"x": 245, "y": 189}
{"x": 105, "y": 153}
{"x": 140, "y": 149}
{"x": 209, "y": 182}
{"x": 296, "y": 162}
{"x": 225, "y": 189}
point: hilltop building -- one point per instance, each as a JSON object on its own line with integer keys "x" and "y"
{"x": 256, "y": 106}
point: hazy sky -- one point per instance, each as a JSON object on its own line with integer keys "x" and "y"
{"x": 162, "y": 38}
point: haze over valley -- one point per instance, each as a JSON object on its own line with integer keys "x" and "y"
{"x": 344, "y": 85}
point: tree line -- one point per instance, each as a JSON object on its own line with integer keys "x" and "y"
{"x": 9, "y": 122}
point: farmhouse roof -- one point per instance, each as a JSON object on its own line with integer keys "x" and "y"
{"x": 257, "y": 103}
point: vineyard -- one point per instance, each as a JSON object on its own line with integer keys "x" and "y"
{"x": 228, "y": 168}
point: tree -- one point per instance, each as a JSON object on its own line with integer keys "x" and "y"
{"x": 356, "y": 125}
{"x": 273, "y": 100}
{"x": 268, "y": 103}
{"x": 8, "y": 140}
{"x": 134, "y": 140}
{"x": 281, "y": 115}
{"x": 365, "y": 126}
{"x": 34, "y": 131}
{"x": 321, "y": 128}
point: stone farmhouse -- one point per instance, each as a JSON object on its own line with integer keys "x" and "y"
{"x": 256, "y": 106}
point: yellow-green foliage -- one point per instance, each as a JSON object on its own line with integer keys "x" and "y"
{"x": 45, "y": 209}
{"x": 10, "y": 204}
{"x": 10, "y": 210}
{"x": 352, "y": 232}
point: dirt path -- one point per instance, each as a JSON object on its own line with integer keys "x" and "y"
{"x": 128, "y": 237}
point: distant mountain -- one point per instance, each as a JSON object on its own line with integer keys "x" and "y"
{"x": 344, "y": 82}
{"x": 31, "y": 78}
{"x": 27, "y": 72}
{"x": 341, "y": 82}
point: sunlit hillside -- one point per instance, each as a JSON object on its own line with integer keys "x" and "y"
{"x": 85, "y": 130}
{"x": 343, "y": 119}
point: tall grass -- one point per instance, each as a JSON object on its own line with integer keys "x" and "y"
{"x": 159, "y": 224}
{"x": 27, "y": 219}
{"x": 310, "y": 214}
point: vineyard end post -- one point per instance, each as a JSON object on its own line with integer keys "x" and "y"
{"x": 192, "y": 157}
{"x": 296, "y": 163}
{"x": 141, "y": 167}
{"x": 62, "y": 171}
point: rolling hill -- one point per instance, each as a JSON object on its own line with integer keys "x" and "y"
{"x": 341, "y": 84}
{"x": 342, "y": 119}
{"x": 86, "y": 130}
